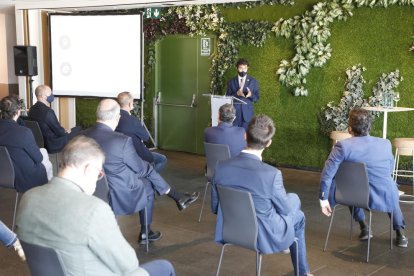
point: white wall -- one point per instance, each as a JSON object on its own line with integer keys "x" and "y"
{"x": 7, "y": 41}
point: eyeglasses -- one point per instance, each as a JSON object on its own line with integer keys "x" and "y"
{"x": 101, "y": 172}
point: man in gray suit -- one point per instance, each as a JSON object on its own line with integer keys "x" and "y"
{"x": 65, "y": 216}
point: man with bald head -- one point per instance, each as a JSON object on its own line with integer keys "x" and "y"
{"x": 130, "y": 126}
{"x": 54, "y": 135}
{"x": 131, "y": 180}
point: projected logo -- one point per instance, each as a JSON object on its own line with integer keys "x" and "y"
{"x": 64, "y": 42}
{"x": 65, "y": 69}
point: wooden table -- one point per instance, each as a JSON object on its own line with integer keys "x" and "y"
{"x": 386, "y": 110}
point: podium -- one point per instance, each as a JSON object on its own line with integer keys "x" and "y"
{"x": 217, "y": 101}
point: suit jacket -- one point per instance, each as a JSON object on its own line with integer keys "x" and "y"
{"x": 132, "y": 127}
{"x": 54, "y": 135}
{"x": 376, "y": 153}
{"x": 227, "y": 134}
{"x": 125, "y": 170}
{"x": 25, "y": 155}
{"x": 81, "y": 227}
{"x": 264, "y": 182}
{"x": 244, "y": 112}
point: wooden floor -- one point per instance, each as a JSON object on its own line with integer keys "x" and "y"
{"x": 190, "y": 247}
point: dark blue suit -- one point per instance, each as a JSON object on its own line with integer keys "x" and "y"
{"x": 132, "y": 127}
{"x": 129, "y": 177}
{"x": 227, "y": 134}
{"x": 376, "y": 153}
{"x": 244, "y": 112}
{"x": 279, "y": 217}
{"x": 54, "y": 135}
{"x": 25, "y": 154}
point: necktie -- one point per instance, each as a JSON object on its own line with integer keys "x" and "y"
{"x": 241, "y": 83}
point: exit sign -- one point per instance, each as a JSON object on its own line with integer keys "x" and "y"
{"x": 153, "y": 13}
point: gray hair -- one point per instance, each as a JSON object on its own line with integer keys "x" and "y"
{"x": 80, "y": 150}
{"x": 42, "y": 90}
{"x": 124, "y": 98}
{"x": 107, "y": 110}
{"x": 227, "y": 113}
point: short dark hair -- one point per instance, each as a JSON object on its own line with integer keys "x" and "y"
{"x": 80, "y": 150}
{"x": 360, "y": 121}
{"x": 124, "y": 98}
{"x": 242, "y": 61}
{"x": 259, "y": 132}
{"x": 9, "y": 107}
{"x": 227, "y": 113}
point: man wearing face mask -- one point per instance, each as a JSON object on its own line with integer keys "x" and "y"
{"x": 245, "y": 88}
{"x": 54, "y": 135}
{"x": 81, "y": 227}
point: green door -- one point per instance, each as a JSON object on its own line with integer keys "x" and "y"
{"x": 182, "y": 77}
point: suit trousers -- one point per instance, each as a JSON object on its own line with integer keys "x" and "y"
{"x": 150, "y": 203}
{"x": 298, "y": 218}
{"x": 160, "y": 161}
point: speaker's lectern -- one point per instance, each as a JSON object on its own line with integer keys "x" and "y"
{"x": 217, "y": 101}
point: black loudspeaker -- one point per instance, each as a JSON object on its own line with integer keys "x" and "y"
{"x": 25, "y": 61}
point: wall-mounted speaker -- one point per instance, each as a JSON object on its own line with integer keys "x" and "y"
{"x": 25, "y": 61}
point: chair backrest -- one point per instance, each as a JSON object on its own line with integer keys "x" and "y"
{"x": 43, "y": 261}
{"x": 102, "y": 189}
{"x": 37, "y": 133}
{"x": 6, "y": 169}
{"x": 352, "y": 186}
{"x": 239, "y": 217}
{"x": 214, "y": 153}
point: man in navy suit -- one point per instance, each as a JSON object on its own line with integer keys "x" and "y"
{"x": 376, "y": 153}
{"x": 54, "y": 135}
{"x": 245, "y": 88}
{"x": 279, "y": 217}
{"x": 30, "y": 163}
{"x": 131, "y": 180}
{"x": 225, "y": 133}
{"x": 130, "y": 126}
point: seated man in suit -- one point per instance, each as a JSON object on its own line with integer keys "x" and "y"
{"x": 54, "y": 135}
{"x": 376, "y": 153}
{"x": 31, "y": 164}
{"x": 225, "y": 132}
{"x": 279, "y": 217}
{"x": 132, "y": 127}
{"x": 131, "y": 180}
{"x": 78, "y": 225}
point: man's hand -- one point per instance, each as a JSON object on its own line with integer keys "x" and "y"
{"x": 325, "y": 207}
{"x": 249, "y": 93}
{"x": 240, "y": 93}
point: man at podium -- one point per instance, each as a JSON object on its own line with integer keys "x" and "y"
{"x": 246, "y": 89}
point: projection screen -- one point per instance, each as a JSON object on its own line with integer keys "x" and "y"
{"x": 96, "y": 55}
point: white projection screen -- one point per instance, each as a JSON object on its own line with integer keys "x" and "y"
{"x": 96, "y": 55}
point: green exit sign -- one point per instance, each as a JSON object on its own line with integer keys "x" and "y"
{"x": 153, "y": 13}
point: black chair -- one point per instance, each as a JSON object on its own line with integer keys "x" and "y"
{"x": 102, "y": 189}
{"x": 7, "y": 176}
{"x": 240, "y": 223}
{"x": 37, "y": 133}
{"x": 214, "y": 153}
{"x": 352, "y": 189}
{"x": 43, "y": 261}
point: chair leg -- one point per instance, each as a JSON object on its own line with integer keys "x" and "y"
{"x": 329, "y": 229}
{"x": 202, "y": 204}
{"x": 15, "y": 210}
{"x": 297, "y": 255}
{"x": 369, "y": 235}
{"x": 258, "y": 263}
{"x": 221, "y": 258}
{"x": 146, "y": 228}
{"x": 391, "y": 223}
{"x": 352, "y": 220}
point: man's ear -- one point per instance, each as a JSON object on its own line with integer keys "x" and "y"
{"x": 269, "y": 143}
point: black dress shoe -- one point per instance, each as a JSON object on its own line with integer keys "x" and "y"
{"x": 364, "y": 234}
{"x": 186, "y": 200}
{"x": 152, "y": 236}
{"x": 402, "y": 241}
